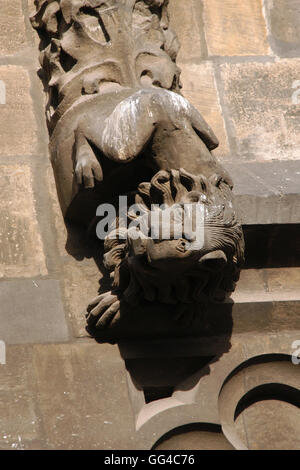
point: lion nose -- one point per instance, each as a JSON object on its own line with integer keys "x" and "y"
{"x": 215, "y": 260}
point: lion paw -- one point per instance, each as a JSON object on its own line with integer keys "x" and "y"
{"x": 102, "y": 310}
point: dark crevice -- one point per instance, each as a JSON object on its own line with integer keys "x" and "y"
{"x": 262, "y": 359}
{"x": 186, "y": 428}
{"x": 92, "y": 12}
{"x": 67, "y": 61}
{"x": 271, "y": 391}
{"x": 272, "y": 246}
{"x": 157, "y": 393}
{"x": 54, "y": 100}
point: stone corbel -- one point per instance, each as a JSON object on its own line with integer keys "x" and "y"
{"x": 119, "y": 126}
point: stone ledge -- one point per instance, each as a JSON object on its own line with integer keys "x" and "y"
{"x": 219, "y": 320}
{"x": 267, "y": 192}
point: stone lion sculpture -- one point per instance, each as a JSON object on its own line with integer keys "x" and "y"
{"x": 119, "y": 126}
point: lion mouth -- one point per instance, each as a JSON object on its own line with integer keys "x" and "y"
{"x": 201, "y": 284}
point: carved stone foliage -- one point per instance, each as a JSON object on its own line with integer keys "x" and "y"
{"x": 119, "y": 127}
{"x": 95, "y": 47}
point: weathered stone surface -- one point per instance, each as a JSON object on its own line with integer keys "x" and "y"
{"x": 267, "y": 300}
{"x": 260, "y": 103}
{"x": 235, "y": 28}
{"x": 17, "y": 122}
{"x": 86, "y": 400}
{"x": 75, "y": 396}
{"x": 199, "y": 87}
{"x": 81, "y": 275}
{"x": 81, "y": 280}
{"x": 272, "y": 284}
{"x": 12, "y": 27}
{"x": 284, "y": 21}
{"x": 60, "y": 226}
{"x": 195, "y": 440}
{"x": 252, "y": 281}
{"x": 185, "y": 19}
{"x": 67, "y": 397}
{"x": 281, "y": 177}
{"x": 32, "y": 312}
{"x": 271, "y": 425}
{"x": 285, "y": 315}
{"x": 259, "y": 381}
{"x": 267, "y": 192}
{"x": 265, "y": 315}
{"x": 249, "y": 317}
{"x": 19, "y": 425}
{"x": 196, "y": 400}
{"x": 21, "y": 252}
{"x": 85, "y": 405}
{"x": 283, "y": 280}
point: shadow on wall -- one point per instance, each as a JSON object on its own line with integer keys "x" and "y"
{"x": 196, "y": 436}
{"x": 258, "y": 407}
{"x": 159, "y": 368}
{"x": 160, "y": 351}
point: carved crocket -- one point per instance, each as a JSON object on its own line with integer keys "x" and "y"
{"x": 119, "y": 126}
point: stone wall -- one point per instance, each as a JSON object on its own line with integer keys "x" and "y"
{"x": 240, "y": 68}
{"x": 240, "y": 64}
{"x": 33, "y": 235}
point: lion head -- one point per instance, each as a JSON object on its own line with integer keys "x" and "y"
{"x": 185, "y": 246}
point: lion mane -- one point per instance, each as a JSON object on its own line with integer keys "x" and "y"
{"x": 169, "y": 271}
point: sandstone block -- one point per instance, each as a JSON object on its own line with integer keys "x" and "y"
{"x": 19, "y": 426}
{"x": 199, "y": 87}
{"x": 17, "y": 122}
{"x": 21, "y": 248}
{"x": 85, "y": 405}
{"x": 235, "y": 28}
{"x": 185, "y": 20}
{"x": 284, "y": 22}
{"x": 12, "y": 27}
{"x": 264, "y": 109}
{"x": 32, "y": 312}
{"x": 81, "y": 285}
